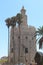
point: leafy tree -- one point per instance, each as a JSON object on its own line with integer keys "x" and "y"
{"x": 19, "y": 18}
{"x": 39, "y": 32}
{"x": 19, "y": 21}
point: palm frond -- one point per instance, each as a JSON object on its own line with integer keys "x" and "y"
{"x": 40, "y": 31}
{"x": 19, "y": 18}
{"x": 8, "y": 21}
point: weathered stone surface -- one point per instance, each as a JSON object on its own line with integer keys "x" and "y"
{"x": 26, "y": 40}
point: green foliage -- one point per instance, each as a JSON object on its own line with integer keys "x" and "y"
{"x": 40, "y": 31}
{"x": 3, "y": 60}
{"x": 42, "y": 61}
{"x": 13, "y": 20}
{"x": 7, "y": 22}
{"x": 19, "y": 17}
{"x": 38, "y": 59}
{"x": 39, "y": 34}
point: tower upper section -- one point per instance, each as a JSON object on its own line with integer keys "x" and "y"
{"x": 24, "y": 19}
{"x": 23, "y": 11}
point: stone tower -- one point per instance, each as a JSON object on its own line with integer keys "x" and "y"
{"x": 27, "y": 42}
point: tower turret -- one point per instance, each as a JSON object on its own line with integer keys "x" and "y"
{"x": 24, "y": 19}
{"x": 23, "y": 11}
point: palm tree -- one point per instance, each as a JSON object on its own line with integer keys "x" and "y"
{"x": 19, "y": 21}
{"x": 19, "y": 18}
{"x": 8, "y": 23}
{"x": 13, "y": 21}
{"x": 13, "y": 24}
{"x": 39, "y": 32}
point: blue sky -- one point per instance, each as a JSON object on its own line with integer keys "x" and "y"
{"x": 9, "y": 8}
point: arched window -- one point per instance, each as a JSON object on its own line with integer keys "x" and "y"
{"x": 26, "y": 37}
{"x": 18, "y": 37}
{"x": 26, "y": 50}
{"x": 11, "y": 50}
